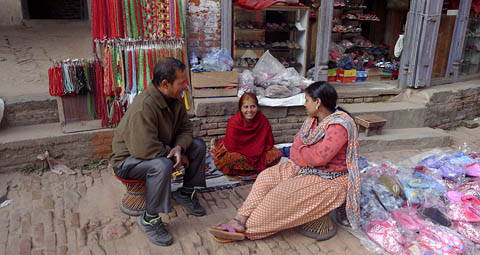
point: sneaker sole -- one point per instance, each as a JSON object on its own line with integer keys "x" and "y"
{"x": 140, "y": 225}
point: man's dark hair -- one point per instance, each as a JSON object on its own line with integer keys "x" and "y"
{"x": 166, "y": 69}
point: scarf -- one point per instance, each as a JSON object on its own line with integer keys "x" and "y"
{"x": 310, "y": 136}
{"x": 251, "y": 139}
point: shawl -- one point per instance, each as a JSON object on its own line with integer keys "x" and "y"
{"x": 309, "y": 137}
{"x": 251, "y": 139}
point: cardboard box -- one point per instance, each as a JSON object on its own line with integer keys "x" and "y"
{"x": 362, "y": 76}
{"x": 346, "y": 79}
{"x": 346, "y": 73}
{"x": 214, "y": 84}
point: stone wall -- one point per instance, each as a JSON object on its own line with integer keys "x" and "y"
{"x": 203, "y": 26}
{"x": 449, "y": 105}
{"x": 71, "y": 149}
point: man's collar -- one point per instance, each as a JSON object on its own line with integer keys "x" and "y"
{"x": 155, "y": 92}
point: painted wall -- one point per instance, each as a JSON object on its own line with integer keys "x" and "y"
{"x": 10, "y": 12}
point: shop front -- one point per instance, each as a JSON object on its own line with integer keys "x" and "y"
{"x": 408, "y": 43}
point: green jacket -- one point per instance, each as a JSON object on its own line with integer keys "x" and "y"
{"x": 150, "y": 128}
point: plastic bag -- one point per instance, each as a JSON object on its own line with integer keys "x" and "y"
{"x": 399, "y": 46}
{"x": 216, "y": 61}
{"x": 245, "y": 80}
{"x": 268, "y": 65}
{"x": 277, "y": 91}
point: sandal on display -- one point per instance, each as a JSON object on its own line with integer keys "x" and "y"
{"x": 435, "y": 215}
{"x": 434, "y": 237}
{"x": 471, "y": 231}
{"x": 408, "y": 220}
{"x": 473, "y": 169}
{"x": 386, "y": 235}
{"x": 467, "y": 210}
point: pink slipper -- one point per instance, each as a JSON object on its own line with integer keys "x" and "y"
{"x": 441, "y": 239}
{"x": 386, "y": 235}
{"x": 473, "y": 169}
{"x": 467, "y": 210}
{"x": 454, "y": 196}
{"x": 408, "y": 221}
{"x": 471, "y": 231}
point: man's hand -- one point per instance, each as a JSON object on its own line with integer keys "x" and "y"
{"x": 176, "y": 152}
{"x": 185, "y": 161}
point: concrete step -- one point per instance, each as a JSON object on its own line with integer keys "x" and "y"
{"x": 405, "y": 138}
{"x": 398, "y": 114}
{"x": 30, "y": 110}
{"x": 19, "y": 146}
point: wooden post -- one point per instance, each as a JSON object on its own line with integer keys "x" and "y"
{"x": 323, "y": 40}
{"x": 226, "y": 29}
{"x": 456, "y": 47}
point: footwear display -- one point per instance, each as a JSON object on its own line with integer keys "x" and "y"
{"x": 190, "y": 203}
{"x": 156, "y": 230}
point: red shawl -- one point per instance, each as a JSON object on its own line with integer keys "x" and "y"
{"x": 251, "y": 139}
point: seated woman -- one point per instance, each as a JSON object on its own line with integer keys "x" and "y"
{"x": 321, "y": 175}
{"x": 247, "y": 147}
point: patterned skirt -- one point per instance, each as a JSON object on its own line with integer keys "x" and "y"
{"x": 234, "y": 163}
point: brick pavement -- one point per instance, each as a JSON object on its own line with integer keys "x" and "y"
{"x": 78, "y": 214}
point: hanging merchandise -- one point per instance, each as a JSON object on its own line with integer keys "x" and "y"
{"x": 136, "y": 19}
{"x": 80, "y": 77}
{"x": 128, "y": 70}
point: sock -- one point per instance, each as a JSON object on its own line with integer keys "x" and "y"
{"x": 186, "y": 191}
{"x": 148, "y": 217}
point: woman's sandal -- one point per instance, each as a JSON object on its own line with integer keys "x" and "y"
{"x": 230, "y": 234}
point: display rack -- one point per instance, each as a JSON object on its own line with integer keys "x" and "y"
{"x": 283, "y": 30}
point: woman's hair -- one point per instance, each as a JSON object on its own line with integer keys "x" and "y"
{"x": 244, "y": 98}
{"x": 326, "y": 93}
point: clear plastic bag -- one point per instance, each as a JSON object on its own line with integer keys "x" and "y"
{"x": 269, "y": 65}
{"x": 216, "y": 61}
{"x": 277, "y": 91}
{"x": 245, "y": 80}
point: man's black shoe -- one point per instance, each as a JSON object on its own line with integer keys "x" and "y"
{"x": 189, "y": 202}
{"x": 155, "y": 230}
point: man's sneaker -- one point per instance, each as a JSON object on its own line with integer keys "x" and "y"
{"x": 155, "y": 230}
{"x": 189, "y": 202}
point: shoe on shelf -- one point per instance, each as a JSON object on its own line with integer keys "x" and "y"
{"x": 299, "y": 26}
{"x": 191, "y": 202}
{"x": 156, "y": 230}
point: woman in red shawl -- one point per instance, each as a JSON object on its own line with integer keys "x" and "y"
{"x": 248, "y": 144}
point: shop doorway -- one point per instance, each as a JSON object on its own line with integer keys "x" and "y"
{"x": 364, "y": 35}
{"x": 55, "y": 9}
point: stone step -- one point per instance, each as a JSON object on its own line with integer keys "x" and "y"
{"x": 404, "y": 138}
{"x": 30, "y": 110}
{"x": 19, "y": 146}
{"x": 398, "y": 114}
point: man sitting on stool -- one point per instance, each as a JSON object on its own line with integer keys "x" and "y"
{"x": 154, "y": 137}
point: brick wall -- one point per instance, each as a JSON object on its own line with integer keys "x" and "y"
{"x": 203, "y": 26}
{"x": 447, "y": 109}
